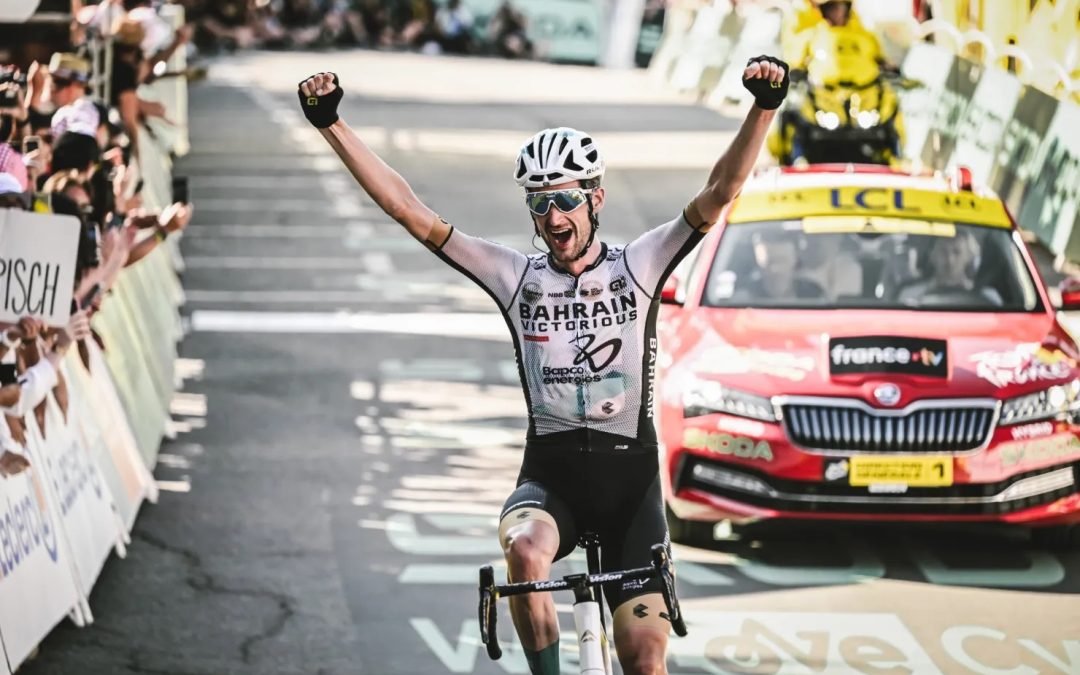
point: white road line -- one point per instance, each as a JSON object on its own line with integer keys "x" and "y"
{"x": 357, "y": 263}
{"x": 256, "y": 182}
{"x": 479, "y": 326}
{"x": 218, "y": 231}
{"x": 315, "y": 206}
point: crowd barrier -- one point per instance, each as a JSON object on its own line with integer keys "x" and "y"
{"x": 1017, "y": 139}
{"x": 90, "y": 471}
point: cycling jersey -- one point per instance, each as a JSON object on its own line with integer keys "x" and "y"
{"x": 585, "y": 345}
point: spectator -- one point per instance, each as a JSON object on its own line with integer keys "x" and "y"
{"x": 128, "y": 35}
{"x": 507, "y": 33}
{"x": 411, "y": 24}
{"x": 69, "y": 75}
{"x": 74, "y": 150}
{"x": 12, "y": 193}
{"x": 12, "y": 113}
{"x": 454, "y": 23}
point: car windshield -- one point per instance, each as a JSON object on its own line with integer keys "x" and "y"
{"x": 878, "y": 263}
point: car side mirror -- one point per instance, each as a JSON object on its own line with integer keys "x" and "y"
{"x": 670, "y": 295}
{"x": 1070, "y": 294}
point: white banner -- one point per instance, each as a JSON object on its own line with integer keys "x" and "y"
{"x": 760, "y": 34}
{"x": 86, "y": 506}
{"x": 37, "y": 585}
{"x": 983, "y": 126}
{"x": 930, "y": 65}
{"x": 37, "y": 265}
{"x": 105, "y": 432}
{"x": 17, "y": 11}
{"x": 1052, "y": 204}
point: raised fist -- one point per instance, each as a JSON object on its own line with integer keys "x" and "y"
{"x": 319, "y": 98}
{"x": 766, "y": 77}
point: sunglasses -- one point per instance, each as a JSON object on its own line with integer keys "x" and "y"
{"x": 564, "y": 200}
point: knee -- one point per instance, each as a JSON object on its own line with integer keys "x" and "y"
{"x": 642, "y": 652}
{"x": 644, "y": 661}
{"x": 528, "y": 558}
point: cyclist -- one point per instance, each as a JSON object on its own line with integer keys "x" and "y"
{"x": 582, "y": 318}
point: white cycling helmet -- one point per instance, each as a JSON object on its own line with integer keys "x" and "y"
{"x": 556, "y": 156}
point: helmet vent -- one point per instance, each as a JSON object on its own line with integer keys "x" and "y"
{"x": 592, "y": 155}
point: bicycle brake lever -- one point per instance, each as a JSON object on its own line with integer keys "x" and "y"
{"x": 662, "y": 564}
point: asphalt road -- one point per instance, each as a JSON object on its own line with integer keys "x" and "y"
{"x": 354, "y": 420}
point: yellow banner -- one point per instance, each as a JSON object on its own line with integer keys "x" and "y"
{"x": 957, "y": 207}
{"x": 931, "y": 471}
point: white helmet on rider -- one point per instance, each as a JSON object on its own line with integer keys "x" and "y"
{"x": 556, "y": 156}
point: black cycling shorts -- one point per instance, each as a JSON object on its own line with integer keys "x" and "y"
{"x": 587, "y": 485}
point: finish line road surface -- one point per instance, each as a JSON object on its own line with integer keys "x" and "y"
{"x": 353, "y": 422}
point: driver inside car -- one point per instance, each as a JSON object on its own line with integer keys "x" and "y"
{"x": 952, "y": 262}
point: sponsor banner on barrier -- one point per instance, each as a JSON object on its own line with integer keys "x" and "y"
{"x": 1018, "y": 155}
{"x": 562, "y": 30}
{"x": 983, "y": 126}
{"x": 105, "y": 432}
{"x": 84, "y": 502}
{"x": 759, "y": 34}
{"x": 930, "y": 65}
{"x": 37, "y": 265}
{"x": 949, "y": 112}
{"x": 37, "y": 584}
{"x": 1052, "y": 206}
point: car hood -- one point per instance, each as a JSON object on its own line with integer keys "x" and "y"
{"x": 852, "y": 352}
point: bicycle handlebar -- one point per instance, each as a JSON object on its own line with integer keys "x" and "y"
{"x": 490, "y": 592}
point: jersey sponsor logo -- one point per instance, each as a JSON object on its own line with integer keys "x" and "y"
{"x": 651, "y": 377}
{"x": 591, "y": 289}
{"x": 618, "y": 285}
{"x": 574, "y": 375}
{"x": 574, "y": 316}
{"x": 599, "y": 356}
{"x": 532, "y": 292}
{"x": 568, "y": 293}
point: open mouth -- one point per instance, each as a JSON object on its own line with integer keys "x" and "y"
{"x": 562, "y": 237}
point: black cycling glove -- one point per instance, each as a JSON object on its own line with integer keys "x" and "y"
{"x": 768, "y": 94}
{"x": 321, "y": 111}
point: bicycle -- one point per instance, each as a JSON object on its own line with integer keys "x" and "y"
{"x": 595, "y": 653}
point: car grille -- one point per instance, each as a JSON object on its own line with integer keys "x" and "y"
{"x": 848, "y": 426}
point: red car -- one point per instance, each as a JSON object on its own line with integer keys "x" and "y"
{"x": 857, "y": 343}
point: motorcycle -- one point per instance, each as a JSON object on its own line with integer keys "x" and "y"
{"x": 849, "y": 115}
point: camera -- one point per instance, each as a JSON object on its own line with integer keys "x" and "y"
{"x": 12, "y": 76}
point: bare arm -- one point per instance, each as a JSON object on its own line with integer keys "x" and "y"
{"x": 379, "y": 180}
{"x": 734, "y": 166}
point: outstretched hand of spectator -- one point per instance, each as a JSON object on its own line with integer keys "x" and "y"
{"x": 175, "y": 217}
{"x": 28, "y": 328}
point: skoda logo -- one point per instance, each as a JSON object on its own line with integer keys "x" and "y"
{"x": 887, "y": 394}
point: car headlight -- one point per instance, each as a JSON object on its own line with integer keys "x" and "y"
{"x": 705, "y": 397}
{"x": 1057, "y": 402}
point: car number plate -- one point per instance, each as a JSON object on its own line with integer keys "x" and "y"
{"x": 935, "y": 471}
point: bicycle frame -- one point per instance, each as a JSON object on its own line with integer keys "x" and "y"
{"x": 594, "y": 655}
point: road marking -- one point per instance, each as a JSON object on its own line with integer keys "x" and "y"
{"x": 479, "y": 326}
{"x": 355, "y": 229}
{"x": 357, "y": 263}
{"x": 312, "y": 206}
{"x": 256, "y": 182}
